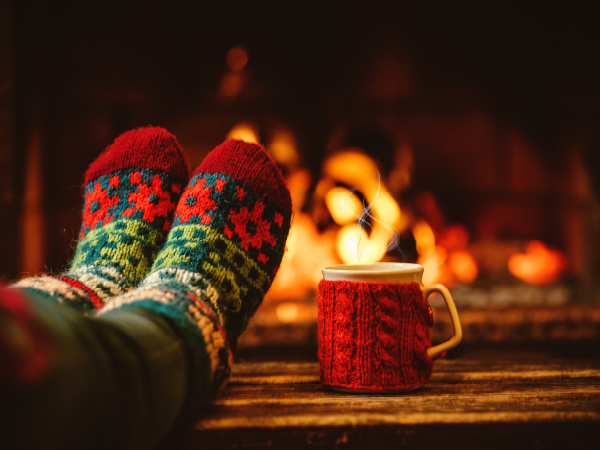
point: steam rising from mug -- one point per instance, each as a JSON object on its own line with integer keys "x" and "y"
{"x": 363, "y": 222}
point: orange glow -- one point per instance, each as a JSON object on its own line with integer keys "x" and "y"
{"x": 387, "y": 209}
{"x": 307, "y": 251}
{"x": 445, "y": 261}
{"x": 283, "y": 148}
{"x": 433, "y": 265}
{"x": 539, "y": 265}
{"x": 454, "y": 237}
{"x": 236, "y": 59}
{"x": 355, "y": 246}
{"x": 245, "y": 132}
{"x": 231, "y": 84}
{"x": 463, "y": 266}
{"x": 354, "y": 168}
{"x": 424, "y": 237}
{"x": 287, "y": 312}
{"x": 343, "y": 205}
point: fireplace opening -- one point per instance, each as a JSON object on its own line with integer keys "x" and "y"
{"x": 472, "y": 152}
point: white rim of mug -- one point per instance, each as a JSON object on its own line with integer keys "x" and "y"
{"x": 382, "y": 268}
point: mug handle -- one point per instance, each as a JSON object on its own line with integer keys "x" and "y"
{"x": 435, "y": 351}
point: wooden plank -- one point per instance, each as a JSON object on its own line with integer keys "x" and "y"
{"x": 566, "y": 435}
{"x": 467, "y": 404}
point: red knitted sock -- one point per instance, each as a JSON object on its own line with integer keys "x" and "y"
{"x": 131, "y": 192}
{"x": 373, "y": 336}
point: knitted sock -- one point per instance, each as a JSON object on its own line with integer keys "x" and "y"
{"x": 131, "y": 191}
{"x": 221, "y": 255}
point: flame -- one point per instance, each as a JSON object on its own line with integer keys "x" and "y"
{"x": 380, "y": 212}
{"x": 539, "y": 265}
{"x": 434, "y": 270}
{"x": 245, "y": 132}
{"x": 353, "y": 241}
{"x": 424, "y": 237}
{"x": 352, "y": 168}
{"x": 387, "y": 208}
{"x": 446, "y": 261}
{"x": 307, "y": 251}
{"x": 343, "y": 205}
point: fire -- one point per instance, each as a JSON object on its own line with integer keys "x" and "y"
{"x": 245, "y": 132}
{"x": 354, "y": 244}
{"x": 287, "y": 312}
{"x": 539, "y": 265}
{"x": 424, "y": 237}
{"x": 446, "y": 259}
{"x": 343, "y": 205}
{"x": 463, "y": 265}
{"x": 307, "y": 251}
{"x": 434, "y": 267}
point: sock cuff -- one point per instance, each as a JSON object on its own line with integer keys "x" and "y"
{"x": 97, "y": 301}
{"x": 251, "y": 165}
{"x": 129, "y": 151}
{"x": 195, "y": 322}
{"x": 58, "y": 290}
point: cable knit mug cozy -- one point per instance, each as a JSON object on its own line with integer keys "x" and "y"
{"x": 374, "y": 322}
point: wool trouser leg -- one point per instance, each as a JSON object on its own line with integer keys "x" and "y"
{"x": 117, "y": 382}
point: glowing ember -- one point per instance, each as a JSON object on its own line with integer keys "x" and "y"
{"x": 539, "y": 265}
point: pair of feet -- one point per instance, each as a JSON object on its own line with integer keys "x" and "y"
{"x": 201, "y": 254}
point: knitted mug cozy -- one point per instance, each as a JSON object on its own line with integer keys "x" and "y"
{"x": 373, "y": 336}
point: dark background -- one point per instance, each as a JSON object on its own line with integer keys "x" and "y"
{"x": 75, "y": 75}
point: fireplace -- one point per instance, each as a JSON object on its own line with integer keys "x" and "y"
{"x": 470, "y": 145}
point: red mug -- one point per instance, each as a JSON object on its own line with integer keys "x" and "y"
{"x": 374, "y": 322}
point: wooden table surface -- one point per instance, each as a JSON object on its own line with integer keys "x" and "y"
{"x": 466, "y": 404}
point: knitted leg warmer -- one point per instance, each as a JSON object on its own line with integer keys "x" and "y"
{"x": 131, "y": 192}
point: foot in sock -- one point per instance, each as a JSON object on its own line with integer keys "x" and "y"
{"x": 131, "y": 192}
{"x": 220, "y": 258}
